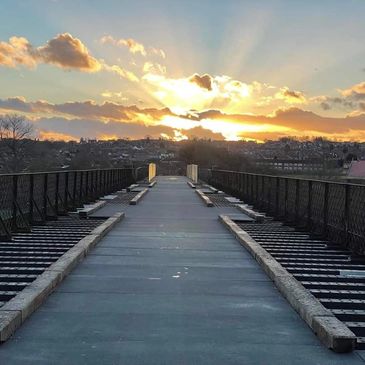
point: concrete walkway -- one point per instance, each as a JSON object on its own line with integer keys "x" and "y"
{"x": 169, "y": 285}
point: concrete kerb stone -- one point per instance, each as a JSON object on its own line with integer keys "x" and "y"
{"x": 15, "y": 311}
{"x": 205, "y": 199}
{"x": 138, "y": 197}
{"x": 323, "y": 323}
{"x": 131, "y": 187}
{"x": 152, "y": 184}
{"x": 83, "y": 213}
{"x": 10, "y": 321}
{"x": 258, "y": 217}
{"x": 333, "y": 333}
{"x": 191, "y": 184}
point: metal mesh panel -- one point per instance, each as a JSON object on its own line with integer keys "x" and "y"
{"x": 303, "y": 202}
{"x": 6, "y": 184}
{"x": 51, "y": 195}
{"x": 317, "y": 206}
{"x": 38, "y": 197}
{"x": 356, "y": 219}
{"x": 336, "y": 210}
{"x": 291, "y": 199}
{"x": 22, "y": 202}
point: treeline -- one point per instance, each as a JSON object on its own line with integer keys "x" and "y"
{"x": 206, "y": 154}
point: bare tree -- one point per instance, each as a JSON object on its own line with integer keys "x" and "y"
{"x": 15, "y": 135}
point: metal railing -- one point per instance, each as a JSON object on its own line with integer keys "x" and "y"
{"x": 30, "y": 198}
{"x": 329, "y": 209}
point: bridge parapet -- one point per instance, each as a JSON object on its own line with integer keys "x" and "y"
{"x": 36, "y": 197}
{"x": 333, "y": 210}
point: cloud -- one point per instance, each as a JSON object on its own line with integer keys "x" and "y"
{"x": 113, "y": 94}
{"x": 16, "y": 52}
{"x": 204, "y": 81}
{"x": 290, "y": 96}
{"x": 68, "y": 52}
{"x": 133, "y": 45}
{"x": 350, "y": 99}
{"x": 64, "y": 51}
{"x": 356, "y": 92}
{"x": 155, "y": 68}
{"x": 199, "y": 92}
{"x": 85, "y": 109}
{"x": 211, "y": 123}
{"x": 121, "y": 72}
{"x": 77, "y": 128}
{"x": 158, "y": 52}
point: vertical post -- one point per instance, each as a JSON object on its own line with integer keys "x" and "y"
{"x": 87, "y": 186}
{"x": 65, "y": 200}
{"x": 45, "y": 190}
{"x": 31, "y": 197}
{"x": 286, "y": 198}
{"x": 74, "y": 189}
{"x": 325, "y": 209}
{"x": 309, "y": 208}
{"x": 251, "y": 193}
{"x": 269, "y": 199}
{"x": 297, "y": 186}
{"x": 256, "y": 188}
{"x": 347, "y": 213}
{"x": 57, "y": 192}
{"x": 81, "y": 197}
{"x": 277, "y": 197}
{"x": 14, "y": 202}
{"x": 263, "y": 198}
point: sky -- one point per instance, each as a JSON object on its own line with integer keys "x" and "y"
{"x": 178, "y": 69}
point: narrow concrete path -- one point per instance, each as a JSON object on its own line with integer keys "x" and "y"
{"x": 169, "y": 285}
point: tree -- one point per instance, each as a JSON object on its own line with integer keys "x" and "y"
{"x": 15, "y": 134}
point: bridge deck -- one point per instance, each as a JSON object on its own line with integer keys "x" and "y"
{"x": 169, "y": 285}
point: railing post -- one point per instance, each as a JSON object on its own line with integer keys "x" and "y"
{"x": 81, "y": 196}
{"x": 14, "y": 202}
{"x": 65, "y": 199}
{"x": 74, "y": 190}
{"x": 57, "y": 192}
{"x": 325, "y": 209}
{"x": 87, "y": 186}
{"x": 347, "y": 212}
{"x": 286, "y": 198}
{"x": 309, "y": 208}
{"x": 297, "y": 201}
{"x": 277, "y": 197}
{"x": 31, "y": 197}
{"x": 45, "y": 190}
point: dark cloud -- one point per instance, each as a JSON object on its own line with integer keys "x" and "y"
{"x": 116, "y": 119}
{"x": 85, "y": 109}
{"x": 67, "y": 51}
{"x": 204, "y": 81}
{"x": 297, "y": 119}
{"x": 64, "y": 51}
{"x": 325, "y": 106}
{"x": 293, "y": 94}
{"x": 95, "y": 129}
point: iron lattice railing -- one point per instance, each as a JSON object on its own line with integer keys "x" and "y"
{"x": 330, "y": 209}
{"x": 36, "y": 197}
